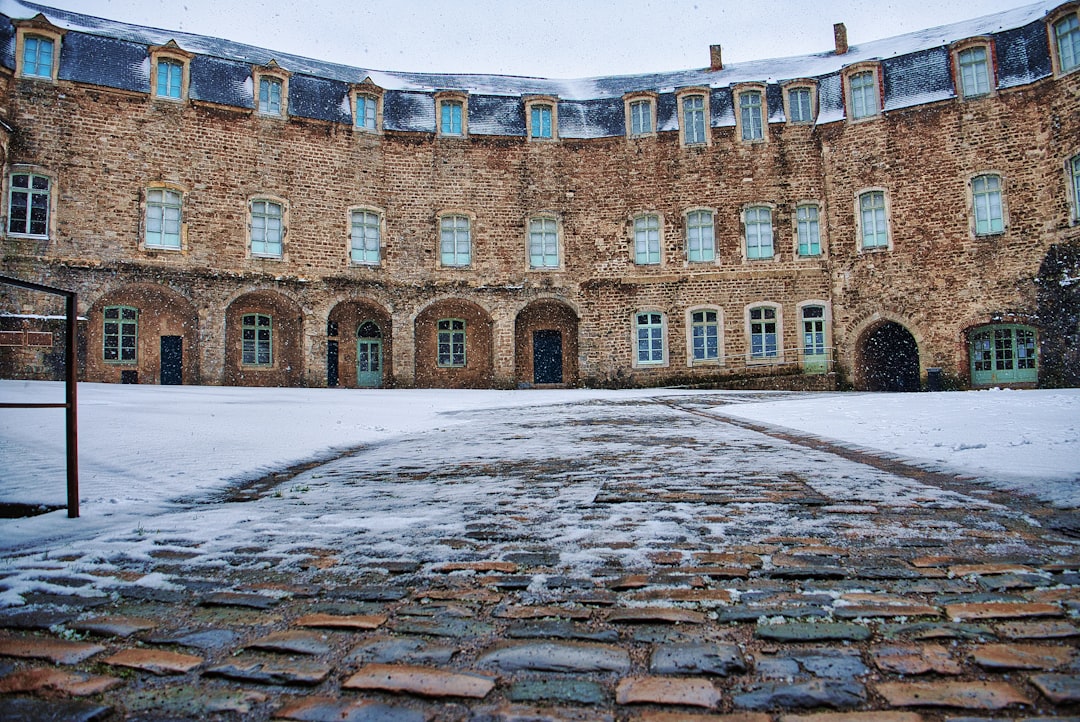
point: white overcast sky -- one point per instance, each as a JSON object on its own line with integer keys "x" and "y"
{"x": 545, "y": 38}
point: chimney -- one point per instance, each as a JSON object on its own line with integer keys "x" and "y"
{"x": 715, "y": 63}
{"x": 840, "y": 36}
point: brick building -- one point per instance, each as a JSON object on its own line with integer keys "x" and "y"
{"x": 231, "y": 215}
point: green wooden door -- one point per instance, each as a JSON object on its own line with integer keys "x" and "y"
{"x": 369, "y": 355}
{"x": 815, "y": 354}
{"x": 1003, "y": 354}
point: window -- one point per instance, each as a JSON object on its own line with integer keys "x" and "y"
{"x": 1003, "y": 354}
{"x": 451, "y": 117}
{"x": 1074, "y": 184}
{"x": 120, "y": 334}
{"x": 29, "y": 203}
{"x": 540, "y": 126}
{"x": 163, "y": 214}
{"x": 974, "y": 69}
{"x": 986, "y": 200}
{"x": 267, "y": 229}
{"x": 873, "y": 226}
{"x": 38, "y": 56}
{"x": 704, "y": 336}
{"x": 694, "y": 127}
{"x": 800, "y": 105}
{"x": 641, "y": 120}
{"x": 750, "y": 115}
{"x": 271, "y": 95}
{"x": 170, "y": 79}
{"x": 365, "y": 238}
{"x": 258, "y": 337}
{"x": 807, "y": 230}
{"x": 814, "y": 351}
{"x": 650, "y": 338}
{"x": 455, "y": 241}
{"x": 451, "y": 341}
{"x": 647, "y": 239}
{"x": 763, "y": 337}
{"x": 863, "y": 96}
{"x": 366, "y": 107}
{"x": 700, "y": 243}
{"x": 759, "y": 232}
{"x": 1067, "y": 42}
{"x": 543, "y": 243}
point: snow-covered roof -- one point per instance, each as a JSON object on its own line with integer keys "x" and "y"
{"x": 915, "y": 70}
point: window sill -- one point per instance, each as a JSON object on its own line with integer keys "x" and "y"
{"x": 27, "y": 236}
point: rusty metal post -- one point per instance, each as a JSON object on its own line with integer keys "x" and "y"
{"x": 72, "y": 410}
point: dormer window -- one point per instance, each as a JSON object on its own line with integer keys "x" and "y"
{"x": 37, "y": 48}
{"x": 800, "y": 101}
{"x": 863, "y": 99}
{"x": 1065, "y": 37}
{"x": 366, "y": 106}
{"x": 542, "y": 118}
{"x": 169, "y": 79}
{"x": 750, "y": 120}
{"x": 694, "y": 117}
{"x": 272, "y": 91}
{"x": 974, "y": 68}
{"x": 640, "y": 115}
{"x": 453, "y": 112}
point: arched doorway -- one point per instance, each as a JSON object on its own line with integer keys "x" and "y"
{"x": 546, "y": 343}
{"x": 889, "y": 359}
{"x": 369, "y": 360}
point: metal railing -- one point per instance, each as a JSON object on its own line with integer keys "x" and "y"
{"x": 71, "y": 366}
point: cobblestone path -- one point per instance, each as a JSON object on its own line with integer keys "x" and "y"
{"x": 648, "y": 560}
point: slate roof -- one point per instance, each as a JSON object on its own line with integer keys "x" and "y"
{"x": 915, "y": 70}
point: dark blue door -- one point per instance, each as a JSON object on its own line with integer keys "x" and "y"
{"x": 547, "y": 357}
{"x": 172, "y": 360}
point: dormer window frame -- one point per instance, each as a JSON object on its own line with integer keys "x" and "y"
{"x": 744, "y": 91}
{"x": 682, "y": 96}
{"x": 37, "y": 28}
{"x": 792, "y": 86}
{"x": 859, "y": 70}
{"x": 372, "y": 93}
{"x": 956, "y": 53}
{"x": 170, "y": 53}
{"x": 538, "y": 102}
{"x": 638, "y": 107}
{"x": 444, "y": 101}
{"x": 271, "y": 73}
{"x": 1067, "y": 13}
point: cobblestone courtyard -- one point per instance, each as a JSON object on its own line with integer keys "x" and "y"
{"x": 645, "y": 560}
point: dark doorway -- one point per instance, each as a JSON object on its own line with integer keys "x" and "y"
{"x": 890, "y": 359}
{"x": 172, "y": 360}
{"x": 547, "y": 357}
{"x": 332, "y": 364}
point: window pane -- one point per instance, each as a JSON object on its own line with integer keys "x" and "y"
{"x": 799, "y": 106}
{"x": 974, "y": 71}
{"x": 451, "y": 117}
{"x": 455, "y": 245}
{"x": 647, "y": 239}
{"x": 541, "y": 121}
{"x": 694, "y": 119}
{"x": 543, "y": 243}
{"x": 1067, "y": 35}
{"x": 366, "y": 237}
{"x": 270, "y": 96}
{"x": 874, "y": 231}
{"x": 808, "y": 230}
{"x": 986, "y": 196}
{"x": 640, "y": 117}
{"x": 700, "y": 241}
{"x": 750, "y": 108}
{"x": 38, "y": 57}
{"x": 759, "y": 235}
{"x": 28, "y": 204}
{"x": 863, "y": 95}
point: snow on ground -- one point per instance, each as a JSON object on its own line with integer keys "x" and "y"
{"x": 1025, "y": 440}
{"x": 143, "y": 448}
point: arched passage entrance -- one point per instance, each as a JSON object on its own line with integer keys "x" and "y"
{"x": 546, "y": 344}
{"x": 888, "y": 359}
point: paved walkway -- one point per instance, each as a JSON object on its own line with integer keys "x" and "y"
{"x": 603, "y": 561}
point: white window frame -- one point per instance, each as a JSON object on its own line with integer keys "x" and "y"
{"x": 750, "y": 130}
{"x": 642, "y": 233}
{"x": 800, "y": 86}
{"x": 752, "y": 224}
{"x": 543, "y": 234}
{"x": 259, "y": 223}
{"x": 778, "y": 322}
{"x": 986, "y": 193}
{"x": 974, "y": 76}
{"x": 804, "y": 224}
{"x": 860, "y": 220}
{"x": 49, "y": 193}
{"x": 156, "y": 214}
{"x": 365, "y": 231}
{"x": 649, "y": 356}
{"x": 640, "y": 109}
{"x": 455, "y": 240}
{"x": 863, "y": 99}
{"x": 1060, "y": 52}
{"x": 700, "y": 232}
{"x": 691, "y": 336}
{"x": 694, "y": 122}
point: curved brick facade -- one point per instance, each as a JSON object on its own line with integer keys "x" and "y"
{"x": 611, "y": 253}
